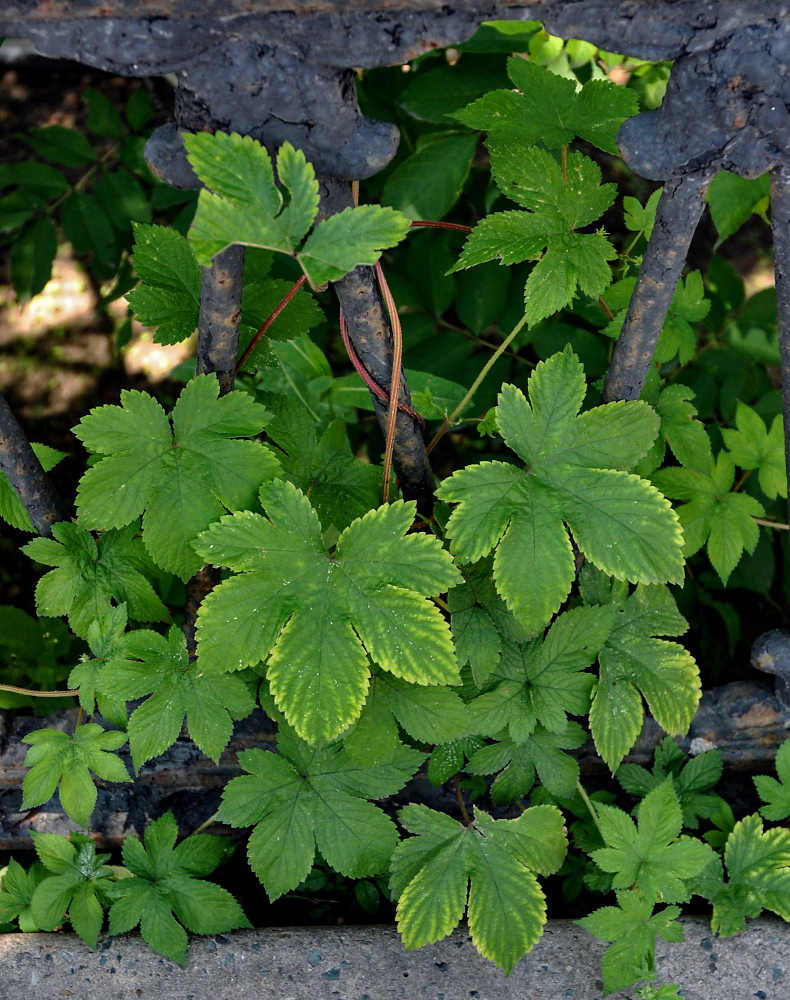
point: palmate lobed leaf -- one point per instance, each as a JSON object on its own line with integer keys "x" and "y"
{"x": 721, "y": 520}
{"x": 494, "y": 862}
{"x": 169, "y": 298}
{"x": 651, "y": 855}
{"x": 90, "y": 574}
{"x": 303, "y": 798}
{"x": 183, "y": 477}
{"x": 550, "y": 109}
{"x": 633, "y": 927}
{"x": 162, "y": 887}
{"x": 55, "y": 758}
{"x": 620, "y": 522}
{"x": 560, "y": 201}
{"x": 634, "y": 663}
{"x": 245, "y": 206}
{"x": 757, "y": 863}
{"x": 776, "y": 794}
{"x": 149, "y": 664}
{"x": 543, "y": 680}
{"x": 314, "y": 618}
{"x": 78, "y": 879}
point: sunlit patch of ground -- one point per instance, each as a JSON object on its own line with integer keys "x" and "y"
{"x": 55, "y": 348}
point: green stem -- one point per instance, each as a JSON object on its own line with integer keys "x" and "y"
{"x": 28, "y": 693}
{"x": 589, "y": 803}
{"x": 776, "y": 525}
{"x": 83, "y": 179}
{"x": 206, "y": 823}
{"x": 476, "y": 384}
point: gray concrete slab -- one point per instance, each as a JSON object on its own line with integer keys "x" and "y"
{"x": 369, "y": 963}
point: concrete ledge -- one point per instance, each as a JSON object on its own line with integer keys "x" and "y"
{"x": 369, "y": 963}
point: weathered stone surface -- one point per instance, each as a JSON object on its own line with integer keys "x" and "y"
{"x": 370, "y": 963}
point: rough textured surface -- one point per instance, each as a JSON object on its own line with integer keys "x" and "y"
{"x": 371, "y": 336}
{"x": 679, "y": 210}
{"x": 745, "y": 720}
{"x": 369, "y": 963}
{"x": 24, "y": 472}
{"x": 780, "y": 225}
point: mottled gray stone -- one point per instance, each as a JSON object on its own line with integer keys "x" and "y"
{"x": 369, "y": 963}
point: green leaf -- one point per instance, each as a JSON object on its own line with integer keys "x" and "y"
{"x": 715, "y": 517}
{"x": 103, "y": 119}
{"x": 541, "y": 752}
{"x": 692, "y": 780}
{"x": 87, "y": 227}
{"x": 638, "y": 219}
{"x": 32, "y": 255}
{"x": 480, "y": 621}
{"x": 183, "y": 477}
{"x": 758, "y": 876}
{"x": 633, "y": 927}
{"x": 124, "y": 200}
{"x": 752, "y": 447}
{"x": 428, "y": 183}
{"x": 258, "y": 301}
{"x": 634, "y": 663}
{"x": 54, "y": 757}
{"x": 78, "y": 884}
{"x": 162, "y": 887}
{"x": 296, "y": 606}
{"x": 493, "y": 862}
{"x": 246, "y": 207}
{"x": 651, "y": 855}
{"x": 139, "y": 108}
{"x": 245, "y": 200}
{"x": 776, "y": 793}
{"x": 89, "y": 574}
{"x": 352, "y": 237}
{"x": 158, "y": 666}
{"x": 428, "y": 714}
{"x": 298, "y": 178}
{"x": 61, "y": 145}
{"x": 340, "y": 488}
{"x": 733, "y": 199}
{"x": 16, "y": 894}
{"x": 106, "y": 640}
{"x": 11, "y": 509}
{"x": 434, "y": 95}
{"x": 685, "y": 435}
{"x": 34, "y": 178}
{"x": 549, "y": 109}
{"x": 169, "y": 298}
{"x": 621, "y": 524}
{"x": 560, "y": 201}
{"x": 305, "y": 798}
{"x": 542, "y": 681}
{"x": 688, "y": 306}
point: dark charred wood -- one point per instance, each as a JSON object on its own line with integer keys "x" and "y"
{"x": 745, "y": 720}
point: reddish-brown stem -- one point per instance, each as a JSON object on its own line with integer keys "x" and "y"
{"x": 564, "y": 164}
{"x": 278, "y": 309}
{"x": 397, "y": 356}
{"x": 366, "y": 377}
{"x": 605, "y": 307}
{"x": 444, "y": 225}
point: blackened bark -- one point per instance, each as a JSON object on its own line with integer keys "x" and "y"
{"x": 780, "y": 222}
{"x": 26, "y": 475}
{"x": 370, "y": 333}
{"x": 679, "y": 211}
{"x": 220, "y": 310}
